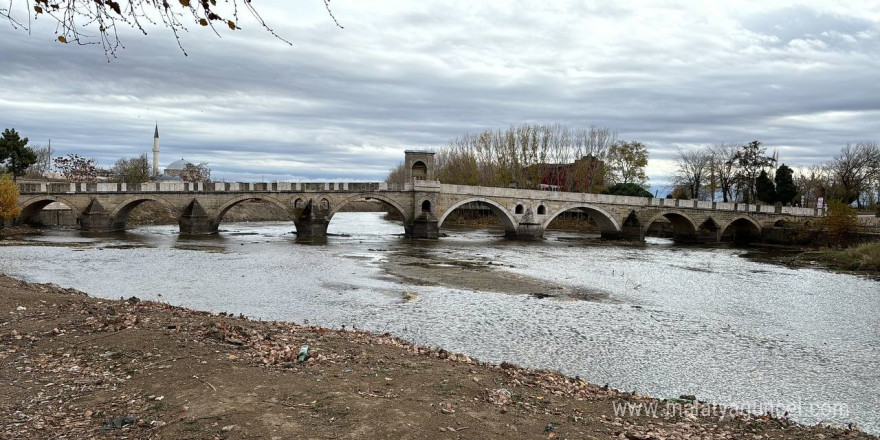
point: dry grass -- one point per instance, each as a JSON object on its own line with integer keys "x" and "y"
{"x": 863, "y": 258}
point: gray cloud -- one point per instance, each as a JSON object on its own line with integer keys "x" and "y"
{"x": 344, "y": 104}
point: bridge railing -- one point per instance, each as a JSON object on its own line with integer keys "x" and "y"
{"x": 536, "y": 195}
{"x": 588, "y": 198}
{"x": 103, "y": 187}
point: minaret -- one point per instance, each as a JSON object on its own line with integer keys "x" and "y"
{"x": 156, "y": 151}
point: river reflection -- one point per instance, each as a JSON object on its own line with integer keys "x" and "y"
{"x": 676, "y": 319}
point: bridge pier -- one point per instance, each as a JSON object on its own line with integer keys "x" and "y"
{"x": 315, "y": 227}
{"x": 633, "y": 232}
{"x": 193, "y": 225}
{"x": 425, "y": 226}
{"x": 95, "y": 218}
{"x": 312, "y": 219}
{"x": 195, "y": 220}
{"x": 707, "y": 236}
{"x": 527, "y": 232}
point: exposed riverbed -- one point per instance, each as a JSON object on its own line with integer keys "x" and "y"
{"x": 657, "y": 318}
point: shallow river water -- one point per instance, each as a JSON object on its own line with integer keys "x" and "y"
{"x": 671, "y": 320}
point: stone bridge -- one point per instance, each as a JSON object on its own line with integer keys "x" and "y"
{"x": 423, "y": 204}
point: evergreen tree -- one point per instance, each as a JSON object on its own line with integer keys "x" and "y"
{"x": 786, "y": 190}
{"x": 765, "y": 191}
{"x": 628, "y": 189}
{"x": 14, "y": 151}
{"x": 748, "y": 161}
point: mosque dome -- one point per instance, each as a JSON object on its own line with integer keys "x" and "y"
{"x": 177, "y": 165}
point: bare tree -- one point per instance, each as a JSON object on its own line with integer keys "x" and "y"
{"x": 527, "y": 156}
{"x": 693, "y": 170}
{"x": 196, "y": 173}
{"x": 853, "y": 170}
{"x": 76, "y": 168}
{"x": 133, "y": 171}
{"x": 43, "y": 165}
{"x": 812, "y": 183}
{"x": 722, "y": 169}
{"x": 591, "y": 147}
{"x": 96, "y": 22}
{"x": 397, "y": 175}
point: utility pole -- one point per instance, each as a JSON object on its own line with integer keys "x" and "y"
{"x": 712, "y": 186}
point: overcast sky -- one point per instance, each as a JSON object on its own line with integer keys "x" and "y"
{"x": 802, "y": 77}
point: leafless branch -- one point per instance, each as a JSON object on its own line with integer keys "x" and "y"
{"x": 94, "y": 22}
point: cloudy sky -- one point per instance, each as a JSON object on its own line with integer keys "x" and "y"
{"x": 802, "y": 77}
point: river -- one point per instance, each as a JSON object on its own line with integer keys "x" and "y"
{"x": 663, "y": 319}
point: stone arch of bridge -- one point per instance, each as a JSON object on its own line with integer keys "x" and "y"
{"x": 31, "y": 207}
{"x": 507, "y": 221}
{"x": 385, "y": 200}
{"x": 119, "y": 215}
{"x": 606, "y": 221}
{"x": 218, "y": 215}
{"x": 746, "y": 228}
{"x": 682, "y": 224}
{"x": 776, "y": 222}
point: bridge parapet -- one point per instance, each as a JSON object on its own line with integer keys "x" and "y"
{"x": 635, "y": 202}
{"x": 200, "y": 187}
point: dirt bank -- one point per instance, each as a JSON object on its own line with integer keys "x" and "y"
{"x": 18, "y": 230}
{"x": 80, "y": 367}
{"x": 862, "y": 260}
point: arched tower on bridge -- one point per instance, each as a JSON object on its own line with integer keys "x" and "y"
{"x": 419, "y": 165}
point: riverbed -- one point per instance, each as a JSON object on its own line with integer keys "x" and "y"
{"x": 660, "y": 319}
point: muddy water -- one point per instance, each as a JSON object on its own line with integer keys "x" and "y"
{"x": 657, "y": 318}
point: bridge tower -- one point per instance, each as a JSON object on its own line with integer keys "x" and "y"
{"x": 426, "y": 191}
{"x": 419, "y": 165}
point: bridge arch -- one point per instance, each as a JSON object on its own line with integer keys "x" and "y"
{"x": 119, "y": 215}
{"x": 683, "y": 226}
{"x": 218, "y": 215}
{"x": 507, "y": 221}
{"x": 777, "y": 222}
{"x": 742, "y": 229}
{"x": 387, "y": 201}
{"x": 31, "y": 207}
{"x": 606, "y": 221}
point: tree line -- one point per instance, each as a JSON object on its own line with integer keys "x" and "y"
{"x": 526, "y": 156}
{"x": 596, "y": 161}
{"x": 36, "y": 161}
{"x": 747, "y": 174}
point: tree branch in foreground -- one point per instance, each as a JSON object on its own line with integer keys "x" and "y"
{"x": 95, "y": 22}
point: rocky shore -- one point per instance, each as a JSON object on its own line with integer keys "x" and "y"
{"x": 79, "y": 367}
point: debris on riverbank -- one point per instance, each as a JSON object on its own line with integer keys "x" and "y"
{"x": 79, "y": 367}
{"x": 18, "y": 230}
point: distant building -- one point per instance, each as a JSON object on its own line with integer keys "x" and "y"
{"x": 173, "y": 171}
{"x": 584, "y": 175}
